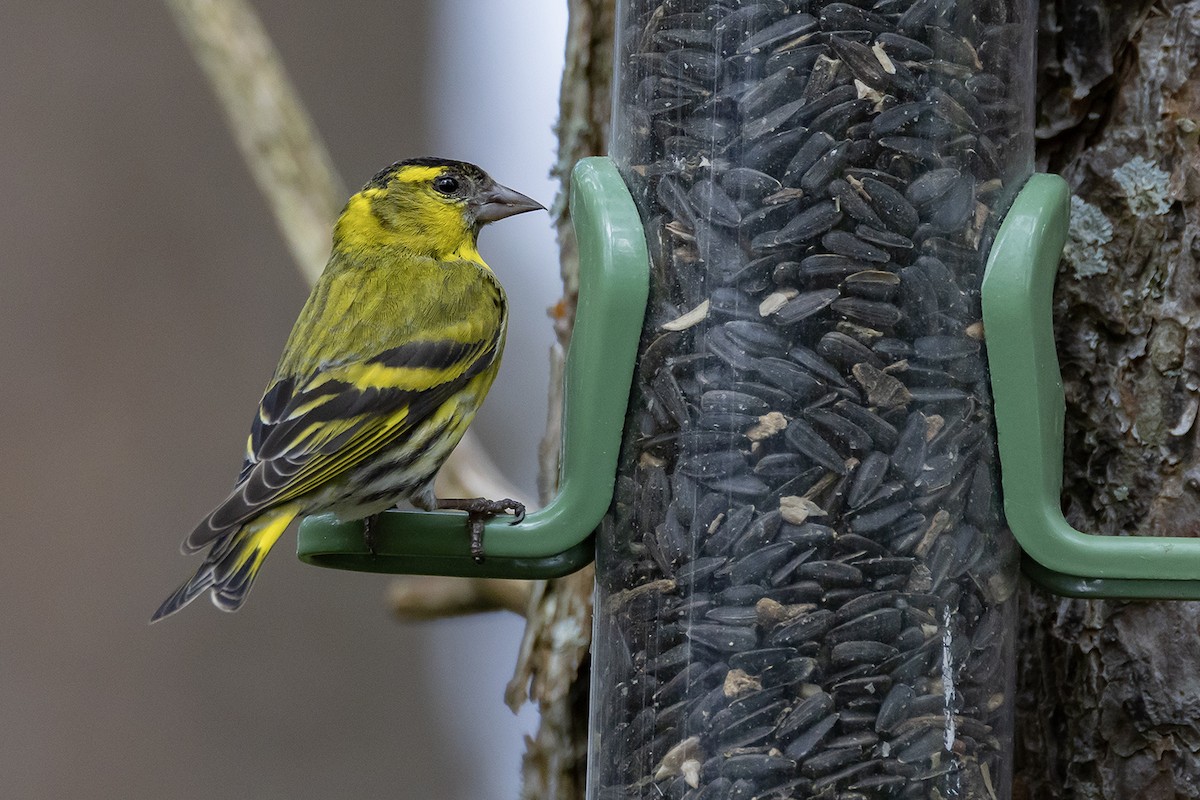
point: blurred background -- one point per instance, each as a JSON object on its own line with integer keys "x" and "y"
{"x": 147, "y": 295}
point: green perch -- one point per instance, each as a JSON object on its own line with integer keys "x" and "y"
{"x": 1018, "y": 285}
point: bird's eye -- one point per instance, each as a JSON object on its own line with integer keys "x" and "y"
{"x": 445, "y": 184}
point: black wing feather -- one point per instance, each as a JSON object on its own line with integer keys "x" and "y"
{"x": 274, "y": 462}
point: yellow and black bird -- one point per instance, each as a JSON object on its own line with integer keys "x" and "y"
{"x": 383, "y": 372}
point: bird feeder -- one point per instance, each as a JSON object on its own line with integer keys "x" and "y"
{"x": 813, "y": 343}
{"x": 806, "y": 583}
{"x": 808, "y": 588}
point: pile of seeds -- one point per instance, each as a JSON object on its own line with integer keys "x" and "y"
{"x": 805, "y": 581}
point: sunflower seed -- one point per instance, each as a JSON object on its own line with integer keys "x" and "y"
{"x": 896, "y": 212}
{"x": 805, "y": 715}
{"x": 845, "y": 17}
{"x": 805, "y": 742}
{"x": 803, "y": 629}
{"x": 787, "y": 28}
{"x": 805, "y": 305}
{"x": 805, "y": 543}
{"x": 712, "y": 203}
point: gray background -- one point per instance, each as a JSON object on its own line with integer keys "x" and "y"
{"x": 146, "y": 297}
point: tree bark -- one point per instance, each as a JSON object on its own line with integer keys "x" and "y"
{"x": 553, "y": 668}
{"x": 1109, "y": 702}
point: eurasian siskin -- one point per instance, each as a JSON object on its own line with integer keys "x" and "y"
{"x": 383, "y": 372}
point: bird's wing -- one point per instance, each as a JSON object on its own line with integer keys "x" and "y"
{"x": 309, "y": 431}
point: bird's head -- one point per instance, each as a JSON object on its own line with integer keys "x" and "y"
{"x": 433, "y": 206}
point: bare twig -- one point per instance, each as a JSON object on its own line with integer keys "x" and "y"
{"x": 273, "y": 130}
{"x": 427, "y": 597}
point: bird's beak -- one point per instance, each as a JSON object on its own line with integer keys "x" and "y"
{"x": 500, "y": 202}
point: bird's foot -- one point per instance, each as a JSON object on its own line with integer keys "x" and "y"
{"x": 480, "y": 510}
{"x": 371, "y": 533}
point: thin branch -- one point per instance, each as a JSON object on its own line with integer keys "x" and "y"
{"x": 273, "y": 130}
{"x": 421, "y": 597}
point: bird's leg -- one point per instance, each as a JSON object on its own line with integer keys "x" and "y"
{"x": 371, "y": 532}
{"x": 480, "y": 510}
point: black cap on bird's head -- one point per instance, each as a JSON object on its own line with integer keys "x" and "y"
{"x": 486, "y": 200}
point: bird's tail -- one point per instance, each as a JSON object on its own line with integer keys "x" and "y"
{"x": 232, "y": 562}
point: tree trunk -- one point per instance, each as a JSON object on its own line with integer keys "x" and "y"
{"x": 1109, "y": 699}
{"x": 553, "y": 667}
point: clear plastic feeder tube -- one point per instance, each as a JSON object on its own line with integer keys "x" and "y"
{"x": 805, "y": 584}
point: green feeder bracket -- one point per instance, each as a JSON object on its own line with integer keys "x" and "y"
{"x": 555, "y": 540}
{"x": 1029, "y": 405}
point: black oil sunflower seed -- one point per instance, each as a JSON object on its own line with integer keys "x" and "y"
{"x": 804, "y": 581}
